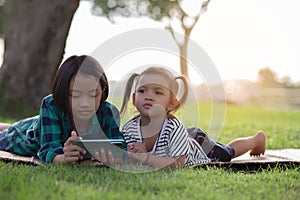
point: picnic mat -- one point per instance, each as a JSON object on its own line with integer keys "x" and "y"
{"x": 287, "y": 158}
{"x": 281, "y": 158}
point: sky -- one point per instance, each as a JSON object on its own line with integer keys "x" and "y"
{"x": 240, "y": 37}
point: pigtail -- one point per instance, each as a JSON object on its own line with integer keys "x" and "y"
{"x": 127, "y": 92}
{"x": 183, "y": 98}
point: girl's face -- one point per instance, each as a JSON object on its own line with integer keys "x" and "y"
{"x": 152, "y": 96}
{"x": 85, "y": 94}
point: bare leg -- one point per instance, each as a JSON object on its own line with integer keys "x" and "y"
{"x": 255, "y": 144}
{"x": 4, "y": 126}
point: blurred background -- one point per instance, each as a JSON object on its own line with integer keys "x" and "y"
{"x": 252, "y": 43}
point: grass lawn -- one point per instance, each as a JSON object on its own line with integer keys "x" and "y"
{"x": 18, "y": 181}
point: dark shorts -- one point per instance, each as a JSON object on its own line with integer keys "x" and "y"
{"x": 216, "y": 151}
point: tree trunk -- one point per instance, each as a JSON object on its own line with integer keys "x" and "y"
{"x": 183, "y": 51}
{"x": 183, "y": 60}
{"x": 34, "y": 48}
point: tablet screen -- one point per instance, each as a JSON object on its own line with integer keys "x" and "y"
{"x": 92, "y": 146}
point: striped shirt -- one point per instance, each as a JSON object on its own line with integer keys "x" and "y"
{"x": 173, "y": 140}
{"x": 44, "y": 135}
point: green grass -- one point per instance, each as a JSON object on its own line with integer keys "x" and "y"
{"x": 18, "y": 181}
{"x": 282, "y": 127}
{"x": 75, "y": 182}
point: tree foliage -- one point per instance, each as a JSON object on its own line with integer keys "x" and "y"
{"x": 159, "y": 10}
{"x": 268, "y": 78}
{"x": 156, "y": 10}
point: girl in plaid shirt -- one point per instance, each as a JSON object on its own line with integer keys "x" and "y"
{"x": 76, "y": 109}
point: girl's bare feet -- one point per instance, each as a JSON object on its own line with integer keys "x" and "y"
{"x": 260, "y": 147}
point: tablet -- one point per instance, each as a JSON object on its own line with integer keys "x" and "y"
{"x": 92, "y": 146}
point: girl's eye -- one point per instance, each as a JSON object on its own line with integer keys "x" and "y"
{"x": 141, "y": 91}
{"x": 94, "y": 95}
{"x": 74, "y": 96}
{"x": 159, "y": 93}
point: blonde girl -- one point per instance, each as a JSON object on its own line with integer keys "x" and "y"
{"x": 155, "y": 137}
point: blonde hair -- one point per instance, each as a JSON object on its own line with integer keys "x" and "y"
{"x": 171, "y": 79}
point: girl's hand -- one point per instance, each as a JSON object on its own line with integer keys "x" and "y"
{"x": 107, "y": 159}
{"x": 72, "y": 153}
{"x": 137, "y": 147}
{"x": 137, "y": 152}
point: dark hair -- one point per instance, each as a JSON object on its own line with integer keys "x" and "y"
{"x": 172, "y": 80}
{"x": 67, "y": 71}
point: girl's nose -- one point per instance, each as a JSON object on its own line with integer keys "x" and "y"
{"x": 148, "y": 96}
{"x": 85, "y": 102}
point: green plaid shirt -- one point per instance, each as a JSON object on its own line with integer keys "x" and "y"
{"x": 44, "y": 135}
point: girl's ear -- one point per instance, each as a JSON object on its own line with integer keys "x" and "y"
{"x": 133, "y": 99}
{"x": 173, "y": 104}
